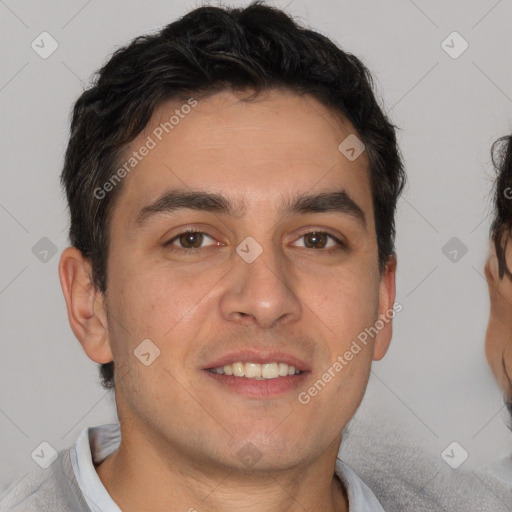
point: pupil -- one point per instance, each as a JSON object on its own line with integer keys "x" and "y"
{"x": 194, "y": 239}
{"x": 315, "y": 238}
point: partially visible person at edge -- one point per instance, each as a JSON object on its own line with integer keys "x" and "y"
{"x": 498, "y": 272}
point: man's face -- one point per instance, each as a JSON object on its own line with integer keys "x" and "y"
{"x": 209, "y": 300}
{"x": 498, "y": 340}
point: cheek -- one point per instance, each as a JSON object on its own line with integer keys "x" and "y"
{"x": 347, "y": 304}
{"x": 158, "y": 296}
{"x": 159, "y": 304}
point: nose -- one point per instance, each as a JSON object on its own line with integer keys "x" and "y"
{"x": 261, "y": 292}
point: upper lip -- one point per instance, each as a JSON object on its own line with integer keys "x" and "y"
{"x": 259, "y": 355}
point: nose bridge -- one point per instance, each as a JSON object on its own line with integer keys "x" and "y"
{"x": 260, "y": 286}
{"x": 261, "y": 263}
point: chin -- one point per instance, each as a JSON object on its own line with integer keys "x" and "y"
{"x": 271, "y": 451}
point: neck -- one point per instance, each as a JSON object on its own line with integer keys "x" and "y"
{"x": 140, "y": 476}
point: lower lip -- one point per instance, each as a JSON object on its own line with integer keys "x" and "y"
{"x": 265, "y": 388}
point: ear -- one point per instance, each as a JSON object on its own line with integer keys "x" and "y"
{"x": 491, "y": 270}
{"x": 85, "y": 304}
{"x": 386, "y": 309}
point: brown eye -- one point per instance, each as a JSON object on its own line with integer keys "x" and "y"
{"x": 189, "y": 240}
{"x": 320, "y": 240}
{"x": 315, "y": 240}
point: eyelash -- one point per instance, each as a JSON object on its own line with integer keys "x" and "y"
{"x": 341, "y": 245}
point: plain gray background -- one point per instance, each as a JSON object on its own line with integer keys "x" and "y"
{"x": 434, "y": 382}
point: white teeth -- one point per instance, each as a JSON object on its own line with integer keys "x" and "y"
{"x": 252, "y": 370}
{"x": 238, "y": 369}
{"x": 256, "y": 370}
{"x": 270, "y": 370}
{"x": 283, "y": 369}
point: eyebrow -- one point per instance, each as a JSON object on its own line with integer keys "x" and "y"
{"x": 325, "y": 202}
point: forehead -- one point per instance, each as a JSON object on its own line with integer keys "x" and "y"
{"x": 279, "y": 144}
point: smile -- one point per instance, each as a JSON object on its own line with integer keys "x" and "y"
{"x": 256, "y": 371}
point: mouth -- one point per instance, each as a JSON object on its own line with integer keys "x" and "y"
{"x": 257, "y": 371}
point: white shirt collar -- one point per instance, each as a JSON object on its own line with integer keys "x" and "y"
{"x": 93, "y": 445}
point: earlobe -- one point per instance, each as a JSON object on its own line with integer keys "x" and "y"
{"x": 387, "y": 310}
{"x": 85, "y": 305}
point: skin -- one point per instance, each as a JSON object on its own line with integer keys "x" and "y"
{"x": 181, "y": 430}
{"x": 498, "y": 340}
